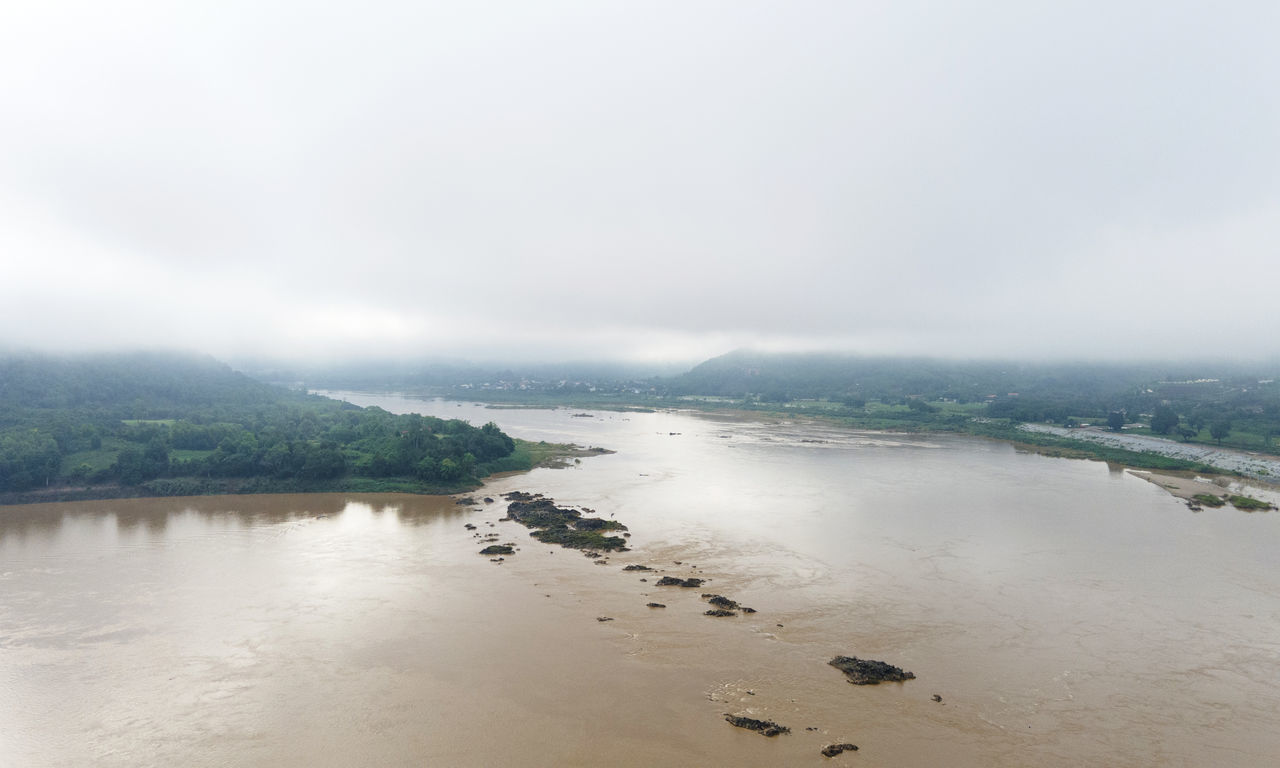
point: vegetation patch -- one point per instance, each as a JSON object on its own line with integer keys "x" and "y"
{"x": 1248, "y": 503}
{"x": 567, "y": 537}
{"x": 1208, "y": 500}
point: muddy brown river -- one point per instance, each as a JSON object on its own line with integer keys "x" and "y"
{"x": 1066, "y": 614}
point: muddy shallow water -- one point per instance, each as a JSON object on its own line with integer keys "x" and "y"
{"x": 1065, "y": 613}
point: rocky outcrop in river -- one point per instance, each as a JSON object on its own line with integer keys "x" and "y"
{"x": 868, "y": 671}
{"x": 831, "y": 750}
{"x": 562, "y": 525}
{"x": 672, "y": 581}
{"x": 766, "y": 727}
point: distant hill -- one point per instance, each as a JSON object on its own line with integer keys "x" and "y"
{"x": 142, "y": 385}
{"x": 796, "y": 376}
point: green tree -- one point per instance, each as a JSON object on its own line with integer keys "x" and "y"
{"x": 1219, "y": 430}
{"x": 324, "y": 461}
{"x": 156, "y": 458}
{"x": 427, "y": 469}
{"x": 1115, "y": 420}
{"x": 130, "y": 468}
{"x": 449, "y": 470}
{"x": 1163, "y": 420}
{"x": 28, "y": 457}
{"x": 80, "y": 473}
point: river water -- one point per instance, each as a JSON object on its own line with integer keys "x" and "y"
{"x": 1066, "y": 613}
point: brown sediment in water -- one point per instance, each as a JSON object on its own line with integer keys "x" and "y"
{"x": 375, "y": 630}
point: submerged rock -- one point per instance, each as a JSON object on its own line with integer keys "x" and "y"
{"x": 718, "y": 612}
{"x": 831, "y": 750}
{"x": 498, "y": 549}
{"x": 637, "y": 568}
{"x": 655, "y": 605}
{"x": 766, "y": 727}
{"x": 868, "y": 671}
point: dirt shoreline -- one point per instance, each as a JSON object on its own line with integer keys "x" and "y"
{"x": 1187, "y": 485}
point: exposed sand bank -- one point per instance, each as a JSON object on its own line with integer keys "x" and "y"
{"x": 1187, "y": 486}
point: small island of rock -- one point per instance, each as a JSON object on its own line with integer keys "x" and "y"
{"x": 868, "y": 671}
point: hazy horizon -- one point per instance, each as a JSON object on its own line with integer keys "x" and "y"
{"x": 648, "y": 183}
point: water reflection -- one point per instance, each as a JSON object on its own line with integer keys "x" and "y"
{"x": 153, "y": 516}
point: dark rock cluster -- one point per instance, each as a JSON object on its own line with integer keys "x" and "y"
{"x": 868, "y": 671}
{"x": 672, "y": 581}
{"x": 766, "y": 727}
{"x": 831, "y": 750}
{"x": 562, "y": 525}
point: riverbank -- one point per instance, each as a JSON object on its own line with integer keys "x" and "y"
{"x": 1225, "y": 460}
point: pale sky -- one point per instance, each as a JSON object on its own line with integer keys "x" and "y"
{"x": 641, "y": 180}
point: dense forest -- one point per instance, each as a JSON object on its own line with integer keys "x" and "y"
{"x": 163, "y": 424}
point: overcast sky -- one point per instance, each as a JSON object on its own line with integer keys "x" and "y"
{"x": 641, "y": 180}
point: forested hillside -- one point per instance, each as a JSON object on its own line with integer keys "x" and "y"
{"x": 164, "y": 424}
